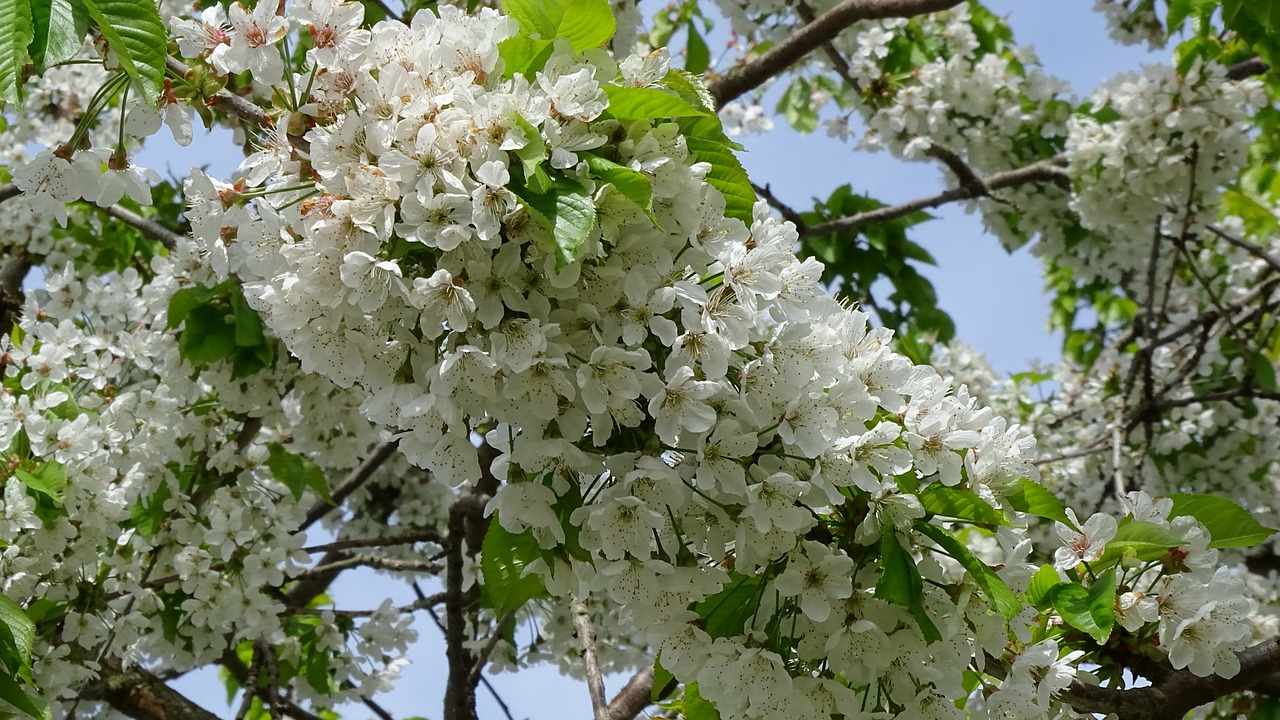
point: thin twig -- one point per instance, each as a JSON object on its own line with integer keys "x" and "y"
{"x": 783, "y": 209}
{"x": 354, "y": 479}
{"x": 408, "y": 538}
{"x": 1049, "y": 170}
{"x": 146, "y": 226}
{"x": 587, "y": 643}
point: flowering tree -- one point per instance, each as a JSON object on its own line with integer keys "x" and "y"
{"x": 490, "y": 306}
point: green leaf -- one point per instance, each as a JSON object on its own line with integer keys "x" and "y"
{"x": 137, "y": 35}
{"x": 587, "y": 23}
{"x": 1091, "y": 610}
{"x": 248, "y": 324}
{"x": 726, "y": 613}
{"x": 532, "y": 155}
{"x": 186, "y": 300}
{"x": 16, "y": 32}
{"x": 697, "y": 54}
{"x": 1229, "y": 525}
{"x": 297, "y": 473}
{"x": 522, "y": 55}
{"x": 208, "y": 336}
{"x": 900, "y": 581}
{"x": 954, "y": 502}
{"x": 568, "y": 211}
{"x": 584, "y": 23}
{"x": 1034, "y": 499}
{"x": 696, "y": 707}
{"x": 1040, "y": 591}
{"x": 20, "y": 631}
{"x": 503, "y": 558}
{"x": 49, "y": 479}
{"x": 633, "y": 185}
{"x": 661, "y": 678}
{"x": 1143, "y": 540}
{"x": 1002, "y": 598}
{"x": 148, "y": 516}
{"x": 726, "y": 175}
{"x": 694, "y": 91}
{"x": 60, "y": 27}
{"x": 16, "y": 695}
{"x": 635, "y": 103}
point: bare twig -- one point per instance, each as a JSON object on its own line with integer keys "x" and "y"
{"x": 1049, "y": 170}
{"x": 9, "y": 191}
{"x": 354, "y": 479}
{"x": 783, "y": 209}
{"x": 587, "y": 643}
{"x": 374, "y": 562}
{"x": 813, "y": 35}
{"x": 146, "y": 226}
{"x": 408, "y": 538}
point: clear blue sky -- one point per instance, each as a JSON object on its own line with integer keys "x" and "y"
{"x": 996, "y": 300}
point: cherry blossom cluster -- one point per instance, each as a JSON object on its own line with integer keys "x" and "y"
{"x": 125, "y": 467}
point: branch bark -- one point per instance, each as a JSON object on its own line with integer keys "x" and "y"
{"x": 1179, "y": 692}
{"x": 634, "y": 697}
{"x": 142, "y": 696}
{"x": 590, "y": 658}
{"x": 1049, "y": 170}
{"x": 812, "y": 36}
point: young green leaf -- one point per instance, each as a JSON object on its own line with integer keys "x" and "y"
{"x": 584, "y": 23}
{"x": 136, "y": 33}
{"x": 16, "y": 695}
{"x": 1002, "y": 598}
{"x": 16, "y": 32}
{"x": 1089, "y": 610}
{"x": 696, "y": 707}
{"x": 900, "y": 581}
{"x": 60, "y": 27}
{"x": 503, "y": 558}
{"x": 1229, "y": 525}
{"x": 954, "y": 502}
{"x": 1034, "y": 499}
{"x": 568, "y": 211}
{"x": 635, "y": 103}
{"x": 20, "y": 634}
{"x": 726, "y": 175}
{"x": 1043, "y": 584}
{"x": 48, "y": 479}
{"x": 297, "y": 473}
{"x": 633, "y": 185}
{"x": 697, "y": 54}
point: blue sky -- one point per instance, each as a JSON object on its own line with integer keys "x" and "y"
{"x": 995, "y": 298}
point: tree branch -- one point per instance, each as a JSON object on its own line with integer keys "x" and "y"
{"x": 1049, "y": 170}
{"x": 1179, "y": 692}
{"x": 587, "y": 643}
{"x": 354, "y": 479}
{"x": 142, "y": 696}
{"x": 146, "y": 226}
{"x": 633, "y": 697}
{"x": 1247, "y": 68}
{"x": 813, "y": 35}
{"x": 227, "y": 101}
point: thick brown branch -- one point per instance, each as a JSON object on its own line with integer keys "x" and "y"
{"x": 1179, "y": 692}
{"x": 1044, "y": 171}
{"x": 13, "y": 272}
{"x": 812, "y": 36}
{"x": 1247, "y": 68}
{"x": 142, "y": 696}
{"x": 634, "y": 697}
